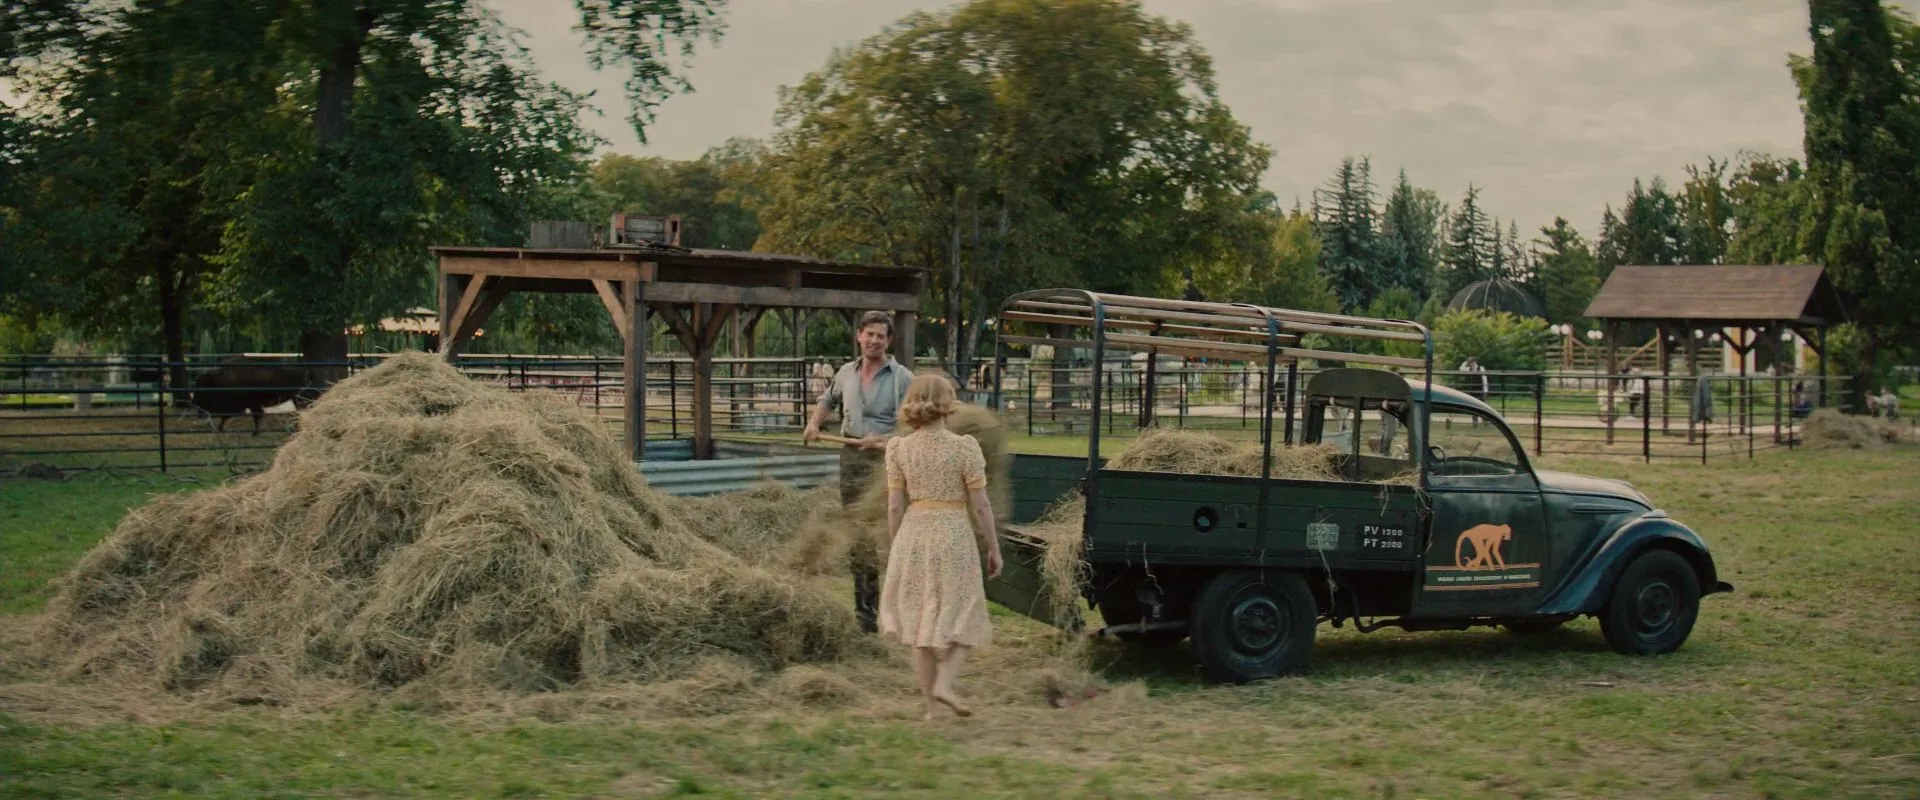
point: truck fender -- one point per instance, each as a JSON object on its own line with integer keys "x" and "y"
{"x": 1586, "y": 591}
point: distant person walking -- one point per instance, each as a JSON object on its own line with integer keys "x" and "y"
{"x": 934, "y": 598}
{"x": 867, "y": 391}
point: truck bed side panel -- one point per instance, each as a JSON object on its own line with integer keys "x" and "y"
{"x": 1208, "y": 519}
{"x": 1039, "y": 481}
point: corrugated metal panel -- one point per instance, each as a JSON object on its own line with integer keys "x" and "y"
{"x": 735, "y": 474}
{"x": 668, "y": 450}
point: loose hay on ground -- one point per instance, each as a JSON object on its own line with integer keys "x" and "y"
{"x": 422, "y": 528}
{"x": 1830, "y": 428}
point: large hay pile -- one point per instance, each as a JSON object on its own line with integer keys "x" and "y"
{"x": 1829, "y": 428}
{"x": 422, "y": 529}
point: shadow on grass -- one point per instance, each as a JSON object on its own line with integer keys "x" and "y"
{"x": 1576, "y": 650}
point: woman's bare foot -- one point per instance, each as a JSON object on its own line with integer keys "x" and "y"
{"x": 951, "y": 702}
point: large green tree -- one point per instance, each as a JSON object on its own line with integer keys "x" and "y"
{"x": 367, "y": 132}
{"x": 426, "y": 124}
{"x": 1771, "y": 206}
{"x": 117, "y": 221}
{"x": 1861, "y": 103}
{"x": 1009, "y": 144}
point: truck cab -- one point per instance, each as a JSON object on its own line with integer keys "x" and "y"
{"x": 1439, "y": 521}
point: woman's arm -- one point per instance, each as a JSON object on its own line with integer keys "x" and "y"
{"x": 896, "y": 490}
{"x": 896, "y": 510}
{"x": 982, "y": 508}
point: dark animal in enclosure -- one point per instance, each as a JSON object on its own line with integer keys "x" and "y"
{"x": 236, "y": 386}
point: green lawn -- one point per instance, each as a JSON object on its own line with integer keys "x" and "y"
{"x": 1805, "y": 682}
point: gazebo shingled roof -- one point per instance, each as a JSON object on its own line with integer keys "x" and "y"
{"x": 1799, "y": 295}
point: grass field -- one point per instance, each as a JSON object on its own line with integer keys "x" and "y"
{"x": 1805, "y": 682}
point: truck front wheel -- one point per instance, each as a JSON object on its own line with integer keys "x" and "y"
{"x": 1653, "y": 605}
{"x": 1248, "y": 625}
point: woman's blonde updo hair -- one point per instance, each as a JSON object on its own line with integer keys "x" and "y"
{"x": 930, "y": 398}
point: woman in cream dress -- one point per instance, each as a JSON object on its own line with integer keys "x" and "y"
{"x": 933, "y": 598}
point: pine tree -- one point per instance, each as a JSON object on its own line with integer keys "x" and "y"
{"x": 1351, "y": 255}
{"x": 1465, "y": 257}
{"x": 1410, "y": 230}
{"x": 1566, "y": 273}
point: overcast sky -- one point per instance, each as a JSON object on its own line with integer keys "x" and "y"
{"x": 1551, "y": 106}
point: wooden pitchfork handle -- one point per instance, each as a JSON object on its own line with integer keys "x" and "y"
{"x": 826, "y": 437}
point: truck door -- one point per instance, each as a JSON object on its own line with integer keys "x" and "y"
{"x": 1487, "y": 545}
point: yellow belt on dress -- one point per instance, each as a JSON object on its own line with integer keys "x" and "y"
{"x": 938, "y": 504}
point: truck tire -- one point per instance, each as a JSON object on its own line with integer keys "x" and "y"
{"x": 1253, "y": 624}
{"x": 1653, "y": 605}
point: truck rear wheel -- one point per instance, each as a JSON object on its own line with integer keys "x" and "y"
{"x": 1248, "y": 625}
{"x": 1653, "y": 605}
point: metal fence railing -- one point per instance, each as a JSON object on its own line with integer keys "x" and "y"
{"x": 134, "y": 412}
{"x": 1648, "y": 416}
{"x": 141, "y": 413}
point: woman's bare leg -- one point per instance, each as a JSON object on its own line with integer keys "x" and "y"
{"x": 949, "y": 668}
{"x": 926, "y": 668}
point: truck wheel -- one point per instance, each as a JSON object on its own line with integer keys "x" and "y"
{"x": 1248, "y": 625}
{"x": 1653, "y": 605}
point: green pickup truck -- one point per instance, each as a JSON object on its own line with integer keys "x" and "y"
{"x": 1469, "y": 533}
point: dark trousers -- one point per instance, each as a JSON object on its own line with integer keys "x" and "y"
{"x": 857, "y": 466}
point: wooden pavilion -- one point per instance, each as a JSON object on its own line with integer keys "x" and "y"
{"x": 695, "y": 292}
{"x": 1747, "y": 305}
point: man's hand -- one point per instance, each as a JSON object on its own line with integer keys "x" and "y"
{"x": 811, "y": 433}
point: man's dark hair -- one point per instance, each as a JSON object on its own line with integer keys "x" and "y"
{"x": 875, "y": 318}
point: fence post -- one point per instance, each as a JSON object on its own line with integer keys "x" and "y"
{"x": 1539, "y": 408}
{"x": 160, "y": 413}
{"x": 1646, "y": 419}
{"x": 1030, "y": 397}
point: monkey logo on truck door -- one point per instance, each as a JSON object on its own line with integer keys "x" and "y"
{"x": 1479, "y": 563}
{"x": 1486, "y": 541}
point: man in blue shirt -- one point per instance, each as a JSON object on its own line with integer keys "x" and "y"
{"x": 867, "y": 391}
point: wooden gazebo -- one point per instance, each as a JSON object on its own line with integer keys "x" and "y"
{"x": 1756, "y": 304}
{"x": 695, "y": 292}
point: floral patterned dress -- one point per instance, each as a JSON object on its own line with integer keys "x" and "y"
{"x": 934, "y": 594}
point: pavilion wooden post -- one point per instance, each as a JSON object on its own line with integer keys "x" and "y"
{"x": 1613, "y": 375}
{"x": 1779, "y": 372}
{"x": 634, "y": 368}
{"x": 1693, "y": 371}
{"x": 478, "y": 296}
{"x": 1666, "y": 383}
{"x": 1822, "y": 336}
{"x": 905, "y": 324}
